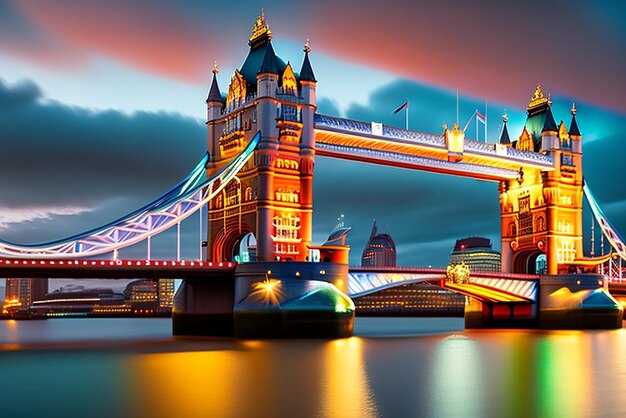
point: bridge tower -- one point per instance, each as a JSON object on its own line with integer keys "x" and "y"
{"x": 272, "y": 197}
{"x": 541, "y": 211}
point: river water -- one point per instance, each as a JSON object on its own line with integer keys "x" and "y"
{"x": 392, "y": 367}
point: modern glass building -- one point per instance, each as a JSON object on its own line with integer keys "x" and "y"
{"x": 477, "y": 254}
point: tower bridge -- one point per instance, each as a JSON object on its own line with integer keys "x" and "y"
{"x": 257, "y": 183}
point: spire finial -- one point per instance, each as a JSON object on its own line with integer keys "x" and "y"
{"x": 261, "y": 29}
{"x": 215, "y": 70}
{"x": 505, "y": 117}
{"x": 538, "y": 98}
{"x": 307, "y": 48}
{"x": 573, "y": 109}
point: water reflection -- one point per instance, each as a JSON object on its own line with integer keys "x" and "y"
{"x": 563, "y": 374}
{"x": 144, "y": 372}
{"x": 456, "y": 388}
{"x": 259, "y": 378}
{"x": 346, "y": 389}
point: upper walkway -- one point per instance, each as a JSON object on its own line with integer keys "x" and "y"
{"x": 355, "y": 140}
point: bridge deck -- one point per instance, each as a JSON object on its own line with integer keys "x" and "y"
{"x": 486, "y": 294}
{"x": 115, "y": 269}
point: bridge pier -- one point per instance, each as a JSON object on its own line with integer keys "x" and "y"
{"x": 569, "y": 301}
{"x": 204, "y": 307}
{"x": 267, "y": 300}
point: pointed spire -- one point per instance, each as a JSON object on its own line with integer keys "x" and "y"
{"x": 573, "y": 128}
{"x": 306, "y": 72}
{"x": 549, "y": 124}
{"x": 374, "y": 231}
{"x": 504, "y": 137}
{"x": 214, "y": 91}
{"x": 269, "y": 61}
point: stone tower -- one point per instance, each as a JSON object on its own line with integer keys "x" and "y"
{"x": 272, "y": 197}
{"x": 541, "y": 211}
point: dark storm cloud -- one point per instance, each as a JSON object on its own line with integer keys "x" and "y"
{"x": 24, "y": 93}
{"x": 58, "y": 156}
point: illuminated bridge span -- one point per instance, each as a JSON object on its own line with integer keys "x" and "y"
{"x": 485, "y": 286}
{"x": 187, "y": 197}
{"x": 354, "y": 140}
{"x": 115, "y": 269}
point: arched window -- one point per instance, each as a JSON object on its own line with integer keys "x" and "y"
{"x": 512, "y": 229}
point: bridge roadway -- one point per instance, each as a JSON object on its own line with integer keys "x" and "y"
{"x": 115, "y": 269}
{"x": 489, "y": 287}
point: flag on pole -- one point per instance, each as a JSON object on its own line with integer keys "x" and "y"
{"x": 481, "y": 118}
{"x": 404, "y": 105}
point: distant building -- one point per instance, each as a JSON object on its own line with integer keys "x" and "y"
{"x": 413, "y": 299}
{"x": 143, "y": 297}
{"x": 75, "y": 301}
{"x": 166, "y": 293}
{"x": 380, "y": 250}
{"x": 477, "y": 254}
{"x": 26, "y": 290}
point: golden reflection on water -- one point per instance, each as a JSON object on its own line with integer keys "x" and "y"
{"x": 346, "y": 390}
{"x": 324, "y": 378}
{"x": 185, "y": 384}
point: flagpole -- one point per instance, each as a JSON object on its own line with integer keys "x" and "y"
{"x": 406, "y": 114}
{"x": 476, "y": 121}
{"x": 485, "y": 118}
{"x": 457, "y": 105}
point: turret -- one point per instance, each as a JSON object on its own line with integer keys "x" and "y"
{"x": 214, "y": 101}
{"x": 574, "y": 133}
{"x": 308, "y": 92}
{"x": 504, "y": 137}
{"x": 267, "y": 77}
{"x": 549, "y": 132}
{"x": 307, "y": 78}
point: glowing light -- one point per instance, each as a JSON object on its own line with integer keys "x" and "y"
{"x": 268, "y": 291}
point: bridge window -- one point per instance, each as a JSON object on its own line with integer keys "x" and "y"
{"x": 525, "y": 217}
{"x": 541, "y": 224}
{"x": 512, "y": 229}
{"x": 290, "y": 113}
{"x": 248, "y": 194}
{"x": 567, "y": 159}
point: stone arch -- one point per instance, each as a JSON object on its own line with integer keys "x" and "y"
{"x": 525, "y": 261}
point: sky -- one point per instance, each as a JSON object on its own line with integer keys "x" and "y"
{"x": 102, "y": 104}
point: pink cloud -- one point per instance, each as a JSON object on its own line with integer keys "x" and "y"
{"x": 148, "y": 36}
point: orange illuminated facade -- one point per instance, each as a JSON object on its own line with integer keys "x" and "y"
{"x": 272, "y": 196}
{"x": 541, "y": 211}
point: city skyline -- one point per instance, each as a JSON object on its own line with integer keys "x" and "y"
{"x": 112, "y": 106}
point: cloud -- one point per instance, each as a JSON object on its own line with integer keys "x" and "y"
{"x": 59, "y": 161}
{"x": 24, "y": 93}
{"x": 488, "y": 47}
